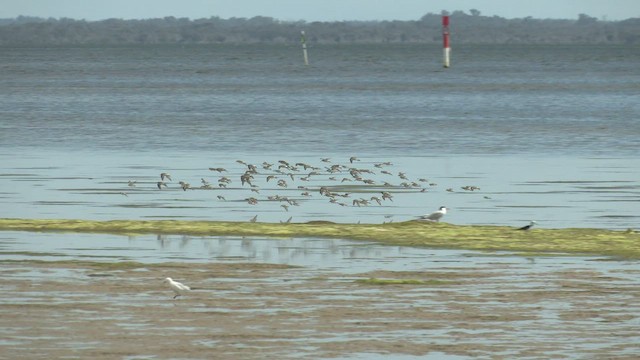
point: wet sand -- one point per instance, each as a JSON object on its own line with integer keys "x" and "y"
{"x": 258, "y": 311}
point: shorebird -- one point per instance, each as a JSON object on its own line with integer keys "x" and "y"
{"x": 220, "y": 197}
{"x": 218, "y": 169}
{"x": 435, "y": 216}
{"x": 527, "y": 227}
{"x": 165, "y": 176}
{"x": 246, "y": 178}
{"x": 387, "y": 196}
{"x": 178, "y": 288}
{"x": 353, "y": 158}
{"x": 185, "y": 185}
{"x": 160, "y": 184}
{"x": 132, "y": 183}
{"x": 254, "y": 219}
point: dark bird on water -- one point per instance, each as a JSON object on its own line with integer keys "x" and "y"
{"x": 527, "y": 227}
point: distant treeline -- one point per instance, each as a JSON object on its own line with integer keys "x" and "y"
{"x": 465, "y": 29}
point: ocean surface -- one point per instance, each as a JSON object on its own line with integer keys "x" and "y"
{"x": 547, "y": 133}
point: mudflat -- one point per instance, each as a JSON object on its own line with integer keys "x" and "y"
{"x": 122, "y": 310}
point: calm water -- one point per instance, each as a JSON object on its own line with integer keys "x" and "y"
{"x": 547, "y": 133}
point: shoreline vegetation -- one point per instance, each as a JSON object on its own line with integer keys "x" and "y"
{"x": 535, "y": 242}
{"x": 466, "y": 28}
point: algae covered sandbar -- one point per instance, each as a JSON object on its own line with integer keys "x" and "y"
{"x": 624, "y": 244}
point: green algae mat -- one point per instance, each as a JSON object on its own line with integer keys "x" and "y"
{"x": 621, "y": 244}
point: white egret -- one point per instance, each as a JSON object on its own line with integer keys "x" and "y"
{"x": 178, "y": 288}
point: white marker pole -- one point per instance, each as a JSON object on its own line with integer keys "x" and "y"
{"x": 445, "y": 39}
{"x": 303, "y": 40}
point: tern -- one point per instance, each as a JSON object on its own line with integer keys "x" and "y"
{"x": 527, "y": 227}
{"x": 178, "y": 288}
{"x": 435, "y": 216}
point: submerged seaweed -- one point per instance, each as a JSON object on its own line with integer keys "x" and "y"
{"x": 376, "y": 281}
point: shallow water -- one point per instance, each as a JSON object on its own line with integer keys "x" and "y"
{"x": 491, "y": 303}
{"x": 340, "y": 256}
{"x": 549, "y": 133}
{"x": 599, "y": 193}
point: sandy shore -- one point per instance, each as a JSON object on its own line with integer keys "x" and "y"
{"x": 258, "y": 311}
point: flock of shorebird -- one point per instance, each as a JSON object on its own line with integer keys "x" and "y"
{"x": 354, "y": 183}
{"x": 343, "y": 184}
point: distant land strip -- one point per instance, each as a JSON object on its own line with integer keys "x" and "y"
{"x": 535, "y": 242}
{"x": 472, "y": 28}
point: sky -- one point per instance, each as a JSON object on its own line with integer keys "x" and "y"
{"x": 318, "y": 10}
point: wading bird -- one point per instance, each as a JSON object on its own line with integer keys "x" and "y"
{"x": 178, "y": 288}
